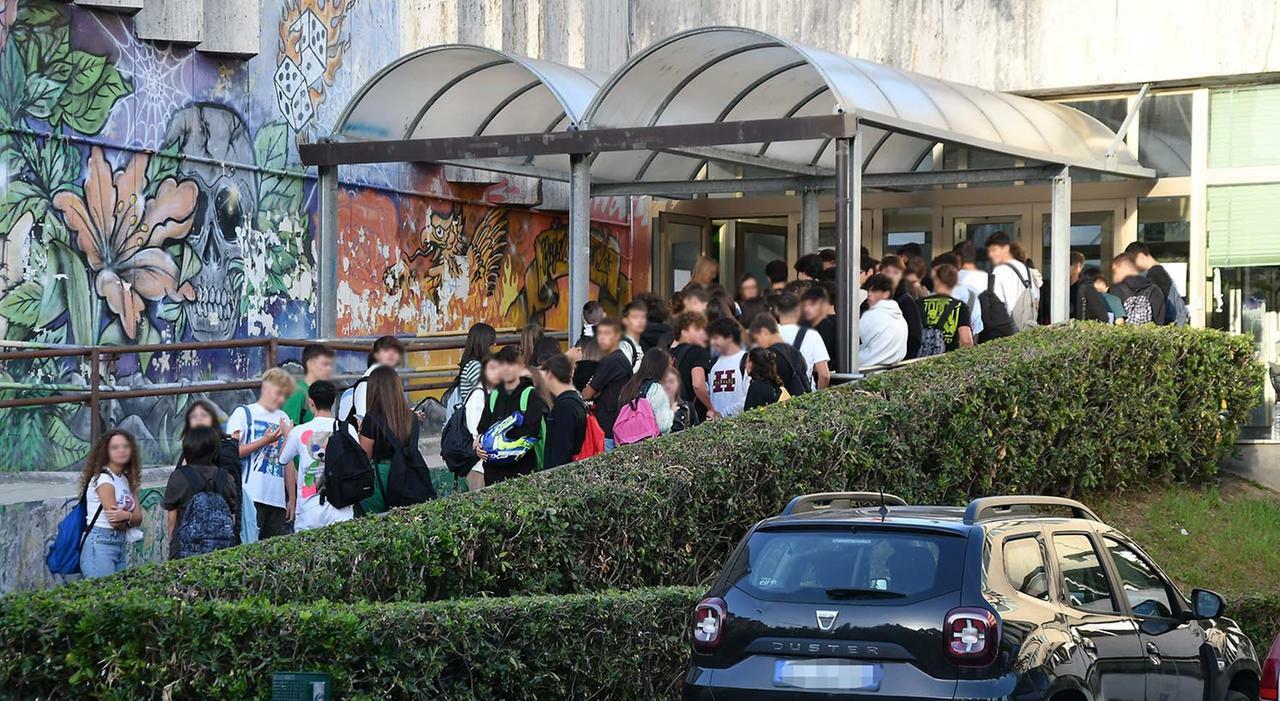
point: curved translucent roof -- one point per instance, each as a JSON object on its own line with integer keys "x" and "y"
{"x": 465, "y": 90}
{"x": 729, "y": 74}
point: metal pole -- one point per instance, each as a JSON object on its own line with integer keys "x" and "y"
{"x": 1060, "y": 240}
{"x": 808, "y": 221}
{"x": 327, "y": 266}
{"x": 848, "y": 248}
{"x": 579, "y": 241}
{"x": 95, "y": 404}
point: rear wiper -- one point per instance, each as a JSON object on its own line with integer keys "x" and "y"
{"x": 863, "y": 594}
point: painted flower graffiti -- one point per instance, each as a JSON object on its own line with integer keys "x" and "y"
{"x": 121, "y": 233}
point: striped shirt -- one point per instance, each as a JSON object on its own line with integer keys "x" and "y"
{"x": 468, "y": 378}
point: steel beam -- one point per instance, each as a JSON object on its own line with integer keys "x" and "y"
{"x": 579, "y": 241}
{"x": 848, "y": 249}
{"x": 822, "y": 183}
{"x": 1060, "y": 241}
{"x": 327, "y": 270}
{"x": 724, "y": 155}
{"x": 656, "y": 138}
{"x": 809, "y": 215}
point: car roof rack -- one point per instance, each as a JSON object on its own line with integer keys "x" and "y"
{"x": 835, "y": 500}
{"x": 997, "y": 507}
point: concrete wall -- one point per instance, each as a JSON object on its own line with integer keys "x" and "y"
{"x": 1018, "y": 45}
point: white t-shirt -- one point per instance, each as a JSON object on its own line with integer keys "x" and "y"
{"x": 124, "y": 498}
{"x": 1008, "y": 283}
{"x": 728, "y": 384}
{"x": 811, "y": 348}
{"x": 359, "y": 396}
{"x": 634, "y": 352}
{"x": 307, "y": 443}
{"x": 261, "y": 471}
{"x": 474, "y": 407}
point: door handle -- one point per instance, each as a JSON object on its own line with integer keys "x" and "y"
{"x": 1090, "y": 647}
{"x": 1153, "y": 652}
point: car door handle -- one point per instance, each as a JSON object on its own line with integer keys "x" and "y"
{"x": 1153, "y": 652}
{"x": 1090, "y": 647}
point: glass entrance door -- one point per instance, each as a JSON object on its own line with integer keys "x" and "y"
{"x": 683, "y": 238}
{"x": 979, "y": 229}
{"x": 756, "y": 246}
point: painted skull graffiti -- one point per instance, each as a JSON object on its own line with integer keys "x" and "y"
{"x": 210, "y": 135}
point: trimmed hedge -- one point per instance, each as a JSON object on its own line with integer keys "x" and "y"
{"x": 1055, "y": 410}
{"x": 613, "y": 645}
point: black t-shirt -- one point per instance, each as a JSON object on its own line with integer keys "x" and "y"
{"x": 688, "y": 357}
{"x": 946, "y": 315}
{"x": 566, "y": 429}
{"x": 373, "y": 428}
{"x": 582, "y": 372}
{"x": 179, "y": 490}
{"x": 761, "y": 394}
{"x": 1161, "y": 278}
{"x": 657, "y": 334}
{"x": 827, "y": 330}
{"x": 613, "y": 372}
{"x": 911, "y": 314}
{"x": 791, "y": 369}
{"x": 506, "y": 403}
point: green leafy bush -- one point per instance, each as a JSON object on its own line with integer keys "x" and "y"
{"x": 614, "y": 645}
{"x": 1054, "y": 410}
{"x": 610, "y": 645}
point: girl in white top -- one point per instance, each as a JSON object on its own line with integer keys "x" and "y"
{"x": 109, "y": 481}
{"x": 473, "y": 404}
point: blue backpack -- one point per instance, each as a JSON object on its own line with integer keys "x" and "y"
{"x": 64, "y": 552}
{"x": 206, "y": 520}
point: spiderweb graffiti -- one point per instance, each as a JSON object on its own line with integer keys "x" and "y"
{"x": 162, "y": 78}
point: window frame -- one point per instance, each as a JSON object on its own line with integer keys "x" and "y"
{"x": 1178, "y": 605}
{"x": 1050, "y": 580}
{"x": 1104, "y": 561}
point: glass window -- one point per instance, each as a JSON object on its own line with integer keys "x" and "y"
{"x": 1143, "y": 588}
{"x": 1246, "y": 300}
{"x": 1244, "y": 225}
{"x": 1084, "y": 580}
{"x": 1110, "y": 111}
{"x": 909, "y": 225}
{"x": 1024, "y": 567}
{"x": 1090, "y": 233}
{"x": 1244, "y": 127}
{"x": 979, "y": 229}
{"x": 1163, "y": 224}
{"x": 1164, "y": 134}
{"x": 820, "y": 566}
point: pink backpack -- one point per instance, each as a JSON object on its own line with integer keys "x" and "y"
{"x": 635, "y": 421}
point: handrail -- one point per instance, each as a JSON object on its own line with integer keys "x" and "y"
{"x": 828, "y": 500}
{"x": 993, "y": 507}
{"x": 93, "y": 394}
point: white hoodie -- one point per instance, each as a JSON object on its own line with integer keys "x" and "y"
{"x": 882, "y": 335}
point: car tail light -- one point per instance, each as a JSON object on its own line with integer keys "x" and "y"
{"x": 972, "y": 636}
{"x": 708, "y": 624}
{"x": 1268, "y": 690}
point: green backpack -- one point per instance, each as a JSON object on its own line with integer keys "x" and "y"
{"x": 540, "y": 447}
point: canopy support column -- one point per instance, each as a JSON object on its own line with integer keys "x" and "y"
{"x": 579, "y": 240}
{"x": 848, "y": 248}
{"x": 808, "y": 221}
{"x": 327, "y": 269}
{"x": 1060, "y": 242}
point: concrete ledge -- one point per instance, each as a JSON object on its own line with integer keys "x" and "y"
{"x": 1257, "y": 461}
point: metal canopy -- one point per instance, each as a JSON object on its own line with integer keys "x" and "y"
{"x": 460, "y": 90}
{"x": 718, "y": 74}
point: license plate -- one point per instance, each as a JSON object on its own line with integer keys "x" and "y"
{"x": 841, "y": 675}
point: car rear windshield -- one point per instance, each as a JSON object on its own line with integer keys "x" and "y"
{"x": 866, "y": 566}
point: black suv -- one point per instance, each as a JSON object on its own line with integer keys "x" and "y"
{"x": 1009, "y": 598}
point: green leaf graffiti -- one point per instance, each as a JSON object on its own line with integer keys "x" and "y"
{"x": 278, "y": 194}
{"x": 87, "y": 112}
{"x": 82, "y": 303}
{"x": 21, "y": 305}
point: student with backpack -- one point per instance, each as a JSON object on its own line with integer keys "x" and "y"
{"x": 805, "y": 340}
{"x": 457, "y": 440}
{"x": 728, "y": 377}
{"x": 567, "y": 420}
{"x": 945, "y": 317}
{"x": 635, "y": 319}
{"x": 1175, "y": 307}
{"x": 110, "y": 480}
{"x": 644, "y": 410}
{"x": 307, "y": 444}
{"x": 389, "y": 436}
{"x": 201, "y": 500}
{"x": 203, "y": 412}
{"x": 317, "y": 364}
{"x": 269, "y": 487}
{"x": 894, "y": 268}
{"x": 611, "y": 374}
{"x": 791, "y": 366}
{"x": 1142, "y": 299}
{"x": 682, "y": 415}
{"x": 514, "y": 412}
{"x": 1013, "y": 284}
{"x": 480, "y": 340}
{"x": 766, "y": 387}
{"x": 387, "y": 352}
{"x": 693, "y": 363}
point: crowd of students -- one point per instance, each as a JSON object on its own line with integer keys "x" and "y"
{"x": 659, "y": 366}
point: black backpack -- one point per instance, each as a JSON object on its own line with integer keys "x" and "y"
{"x": 457, "y": 445}
{"x": 996, "y": 322}
{"x": 348, "y": 476}
{"x": 409, "y": 479}
{"x": 797, "y": 381}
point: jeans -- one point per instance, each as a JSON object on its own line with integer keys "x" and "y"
{"x": 103, "y": 553}
{"x": 609, "y": 445}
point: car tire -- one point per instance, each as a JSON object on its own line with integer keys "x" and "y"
{"x": 1235, "y": 696}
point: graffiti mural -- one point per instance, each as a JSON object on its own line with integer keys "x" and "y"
{"x": 150, "y": 194}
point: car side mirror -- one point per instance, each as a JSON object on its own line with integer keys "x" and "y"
{"x": 1206, "y": 604}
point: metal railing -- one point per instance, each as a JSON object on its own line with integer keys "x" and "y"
{"x": 94, "y": 393}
